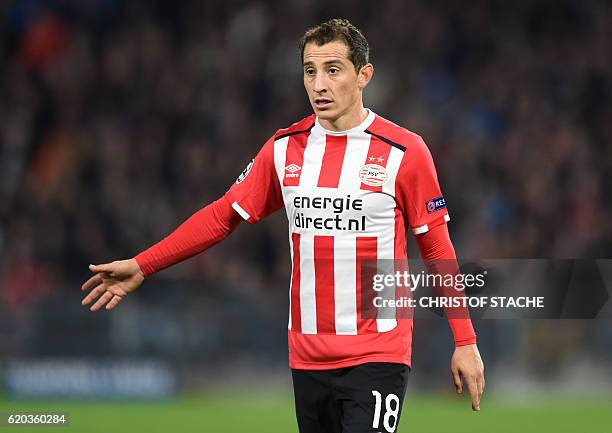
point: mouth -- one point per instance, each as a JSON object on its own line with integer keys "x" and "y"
{"x": 322, "y": 103}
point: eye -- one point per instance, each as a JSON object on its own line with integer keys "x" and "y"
{"x": 309, "y": 71}
{"x": 333, "y": 70}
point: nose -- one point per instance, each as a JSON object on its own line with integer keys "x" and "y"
{"x": 320, "y": 84}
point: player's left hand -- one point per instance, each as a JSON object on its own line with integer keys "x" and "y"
{"x": 467, "y": 364}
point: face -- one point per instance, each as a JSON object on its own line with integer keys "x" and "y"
{"x": 334, "y": 87}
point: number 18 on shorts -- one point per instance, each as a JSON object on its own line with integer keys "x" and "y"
{"x": 359, "y": 399}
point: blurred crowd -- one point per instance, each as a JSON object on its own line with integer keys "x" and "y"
{"x": 118, "y": 120}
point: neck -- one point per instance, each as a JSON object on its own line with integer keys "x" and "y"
{"x": 345, "y": 121}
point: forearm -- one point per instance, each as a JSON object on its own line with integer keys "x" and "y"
{"x": 199, "y": 232}
{"x": 439, "y": 256}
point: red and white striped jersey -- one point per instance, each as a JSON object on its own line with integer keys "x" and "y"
{"x": 349, "y": 196}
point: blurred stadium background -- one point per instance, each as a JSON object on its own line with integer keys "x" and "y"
{"x": 120, "y": 119}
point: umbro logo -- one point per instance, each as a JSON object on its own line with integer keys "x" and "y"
{"x": 293, "y": 171}
{"x": 292, "y": 168}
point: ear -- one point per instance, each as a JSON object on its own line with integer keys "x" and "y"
{"x": 365, "y": 75}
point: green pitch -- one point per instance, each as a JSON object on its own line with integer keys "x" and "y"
{"x": 273, "y": 413}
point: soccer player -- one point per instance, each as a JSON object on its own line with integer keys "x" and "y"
{"x": 353, "y": 184}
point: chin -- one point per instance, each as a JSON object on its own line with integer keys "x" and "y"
{"x": 325, "y": 115}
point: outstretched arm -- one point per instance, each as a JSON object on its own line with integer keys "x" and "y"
{"x": 113, "y": 281}
{"x": 437, "y": 251}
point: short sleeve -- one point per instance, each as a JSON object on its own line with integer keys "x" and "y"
{"x": 417, "y": 190}
{"x": 256, "y": 193}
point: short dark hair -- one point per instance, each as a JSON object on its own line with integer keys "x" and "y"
{"x": 338, "y": 29}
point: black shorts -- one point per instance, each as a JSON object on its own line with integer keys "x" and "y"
{"x": 359, "y": 399}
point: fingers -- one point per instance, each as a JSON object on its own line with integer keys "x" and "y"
{"x": 113, "y": 303}
{"x": 481, "y": 385}
{"x": 457, "y": 380}
{"x": 92, "y": 282}
{"x": 473, "y": 388}
{"x": 93, "y": 294}
{"x": 108, "y": 298}
{"x": 105, "y": 267}
{"x": 106, "y": 293}
{"x": 102, "y": 301}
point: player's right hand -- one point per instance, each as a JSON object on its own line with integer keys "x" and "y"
{"x": 111, "y": 283}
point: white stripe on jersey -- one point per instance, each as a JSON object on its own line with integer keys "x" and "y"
{"x": 280, "y": 155}
{"x": 244, "y": 214}
{"x": 345, "y": 264}
{"x": 308, "y": 302}
{"x": 291, "y": 277}
{"x": 313, "y": 159}
{"x": 386, "y": 248}
{"x": 425, "y": 228}
{"x": 385, "y": 256}
{"x": 393, "y": 164}
{"x": 345, "y": 295}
